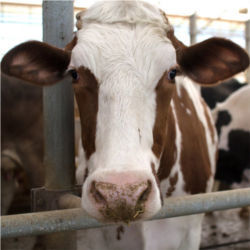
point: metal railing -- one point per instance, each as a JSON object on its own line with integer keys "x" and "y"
{"x": 75, "y": 219}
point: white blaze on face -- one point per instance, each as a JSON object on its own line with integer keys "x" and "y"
{"x": 128, "y": 54}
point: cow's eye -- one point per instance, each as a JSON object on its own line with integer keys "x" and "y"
{"x": 172, "y": 74}
{"x": 74, "y": 74}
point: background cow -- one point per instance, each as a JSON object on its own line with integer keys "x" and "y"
{"x": 219, "y": 93}
{"x": 233, "y": 126}
{"x": 230, "y": 107}
{"x": 146, "y": 133}
{"x": 21, "y": 143}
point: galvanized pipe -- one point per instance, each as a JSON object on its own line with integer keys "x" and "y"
{"x": 193, "y": 28}
{"x": 247, "y": 36}
{"x": 75, "y": 219}
{"x": 58, "y": 105}
{"x": 58, "y": 102}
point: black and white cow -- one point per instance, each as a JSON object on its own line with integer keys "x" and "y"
{"x": 219, "y": 93}
{"x": 232, "y": 119}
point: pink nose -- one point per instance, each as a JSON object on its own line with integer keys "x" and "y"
{"x": 121, "y": 202}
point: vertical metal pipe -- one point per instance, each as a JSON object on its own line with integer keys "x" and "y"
{"x": 59, "y": 117}
{"x": 247, "y": 36}
{"x": 193, "y": 28}
{"x": 58, "y": 102}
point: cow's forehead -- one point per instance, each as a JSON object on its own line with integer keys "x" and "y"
{"x": 109, "y": 49}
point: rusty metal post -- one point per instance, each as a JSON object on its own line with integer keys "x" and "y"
{"x": 58, "y": 108}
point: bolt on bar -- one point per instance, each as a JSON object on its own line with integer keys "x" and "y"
{"x": 75, "y": 219}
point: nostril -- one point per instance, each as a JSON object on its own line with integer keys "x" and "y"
{"x": 99, "y": 198}
{"x": 145, "y": 193}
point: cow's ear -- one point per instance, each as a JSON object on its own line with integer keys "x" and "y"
{"x": 36, "y": 62}
{"x": 212, "y": 60}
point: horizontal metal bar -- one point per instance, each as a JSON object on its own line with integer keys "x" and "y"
{"x": 75, "y": 219}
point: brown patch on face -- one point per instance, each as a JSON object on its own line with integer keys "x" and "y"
{"x": 209, "y": 122}
{"x": 164, "y": 93}
{"x": 195, "y": 163}
{"x": 86, "y": 92}
{"x": 170, "y": 153}
{"x": 173, "y": 180}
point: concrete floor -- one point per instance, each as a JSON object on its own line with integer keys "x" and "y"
{"x": 227, "y": 226}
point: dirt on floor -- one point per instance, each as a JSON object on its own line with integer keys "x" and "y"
{"x": 227, "y": 227}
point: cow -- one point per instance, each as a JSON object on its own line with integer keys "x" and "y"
{"x": 146, "y": 133}
{"x": 219, "y": 93}
{"x": 228, "y": 105}
{"x": 21, "y": 143}
{"x": 233, "y": 127}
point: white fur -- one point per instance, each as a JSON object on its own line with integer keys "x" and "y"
{"x": 182, "y": 233}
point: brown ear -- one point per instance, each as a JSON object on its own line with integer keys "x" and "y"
{"x": 212, "y": 60}
{"x": 36, "y": 62}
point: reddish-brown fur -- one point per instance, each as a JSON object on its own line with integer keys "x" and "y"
{"x": 86, "y": 92}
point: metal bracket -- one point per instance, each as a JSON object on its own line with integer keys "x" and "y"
{"x": 43, "y": 199}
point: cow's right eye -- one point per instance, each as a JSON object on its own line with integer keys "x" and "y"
{"x": 172, "y": 74}
{"x": 74, "y": 74}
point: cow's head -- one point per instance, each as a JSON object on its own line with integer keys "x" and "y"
{"x": 123, "y": 62}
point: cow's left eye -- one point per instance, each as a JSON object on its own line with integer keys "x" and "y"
{"x": 74, "y": 74}
{"x": 172, "y": 74}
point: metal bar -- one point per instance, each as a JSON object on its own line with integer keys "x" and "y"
{"x": 225, "y": 244}
{"x": 58, "y": 102}
{"x": 58, "y": 108}
{"x": 75, "y": 219}
{"x": 193, "y": 28}
{"x": 247, "y": 37}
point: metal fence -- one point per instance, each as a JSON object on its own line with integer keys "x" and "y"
{"x": 76, "y": 218}
{"x": 59, "y": 157}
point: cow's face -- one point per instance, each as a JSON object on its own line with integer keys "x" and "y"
{"x": 119, "y": 71}
{"x": 124, "y": 61}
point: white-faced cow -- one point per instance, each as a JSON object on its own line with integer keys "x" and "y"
{"x": 146, "y": 133}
